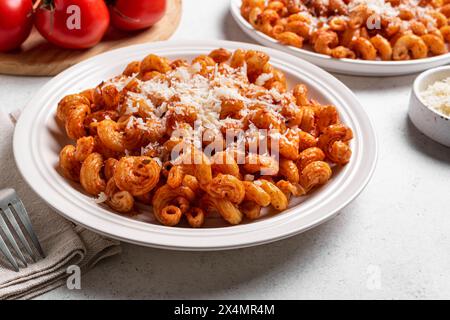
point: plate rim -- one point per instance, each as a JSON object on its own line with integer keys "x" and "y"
{"x": 20, "y": 139}
{"x": 321, "y": 60}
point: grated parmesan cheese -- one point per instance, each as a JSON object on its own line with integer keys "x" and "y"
{"x": 380, "y": 7}
{"x": 249, "y": 177}
{"x": 437, "y": 96}
{"x": 263, "y": 78}
{"x": 102, "y": 197}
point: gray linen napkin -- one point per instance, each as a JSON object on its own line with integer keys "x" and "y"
{"x": 63, "y": 242}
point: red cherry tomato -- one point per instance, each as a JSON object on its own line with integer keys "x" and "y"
{"x": 73, "y": 24}
{"x": 136, "y": 15}
{"x": 16, "y": 20}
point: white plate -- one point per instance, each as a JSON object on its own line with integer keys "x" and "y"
{"x": 38, "y": 140}
{"x": 344, "y": 66}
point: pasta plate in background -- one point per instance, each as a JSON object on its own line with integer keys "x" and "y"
{"x": 363, "y": 29}
{"x": 358, "y": 37}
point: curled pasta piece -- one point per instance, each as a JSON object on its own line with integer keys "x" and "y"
{"x": 166, "y": 201}
{"x": 250, "y": 209}
{"x": 137, "y": 175}
{"x": 445, "y": 31}
{"x": 132, "y": 68}
{"x": 290, "y": 39}
{"x": 175, "y": 64}
{"x": 247, "y": 5}
{"x": 266, "y": 119}
{"x": 435, "y": 44}
{"x": 301, "y": 28}
{"x": 337, "y": 24}
{"x": 176, "y": 176}
{"x": 278, "y": 199}
{"x": 289, "y": 170}
{"x": 309, "y": 123}
{"x": 90, "y": 174}
{"x": 315, "y": 174}
{"x": 256, "y": 60}
{"x": 231, "y": 108}
{"x": 293, "y": 113}
{"x": 224, "y": 207}
{"x": 69, "y": 165}
{"x": 196, "y": 163}
{"x": 68, "y": 103}
{"x": 111, "y": 136}
{"x": 409, "y": 46}
{"x": 341, "y": 52}
{"x": 220, "y": 55}
{"x": 85, "y": 146}
{"x": 266, "y": 165}
{"x": 121, "y": 201}
{"x": 306, "y": 140}
{"x": 224, "y": 162}
{"x": 383, "y": 46}
{"x": 289, "y": 188}
{"x": 88, "y": 94}
{"x": 358, "y": 16}
{"x": 154, "y": 63}
{"x": 364, "y": 48}
{"x": 206, "y": 63}
{"x": 101, "y": 148}
{"x": 254, "y": 17}
{"x": 326, "y": 116}
{"x": 309, "y": 155}
{"x": 445, "y": 10}
{"x": 300, "y": 93}
{"x": 334, "y": 142}
{"x": 75, "y": 121}
{"x": 238, "y": 58}
{"x": 256, "y": 194}
{"x": 418, "y": 28}
{"x": 278, "y": 6}
{"x": 93, "y": 119}
{"x": 191, "y": 182}
{"x": 325, "y": 41}
{"x": 195, "y": 217}
{"x": 110, "y": 167}
{"x": 226, "y": 186}
{"x": 441, "y": 20}
{"x": 289, "y": 144}
{"x": 107, "y": 96}
{"x": 347, "y": 37}
{"x": 267, "y": 20}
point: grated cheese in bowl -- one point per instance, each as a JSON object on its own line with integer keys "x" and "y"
{"x": 437, "y": 96}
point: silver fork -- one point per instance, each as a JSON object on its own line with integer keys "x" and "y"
{"x": 10, "y": 203}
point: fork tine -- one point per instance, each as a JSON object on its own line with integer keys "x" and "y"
{"x": 15, "y": 225}
{"x": 23, "y": 216}
{"x": 11, "y": 240}
{"x": 9, "y": 256}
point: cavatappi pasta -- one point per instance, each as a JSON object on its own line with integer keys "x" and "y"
{"x": 222, "y": 134}
{"x": 356, "y": 29}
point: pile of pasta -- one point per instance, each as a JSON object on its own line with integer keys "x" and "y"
{"x": 128, "y": 128}
{"x": 363, "y": 29}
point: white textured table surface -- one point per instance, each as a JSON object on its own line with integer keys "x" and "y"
{"x": 392, "y": 242}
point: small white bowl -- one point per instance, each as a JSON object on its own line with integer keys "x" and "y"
{"x": 433, "y": 124}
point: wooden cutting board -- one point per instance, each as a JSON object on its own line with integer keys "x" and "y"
{"x": 37, "y": 57}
